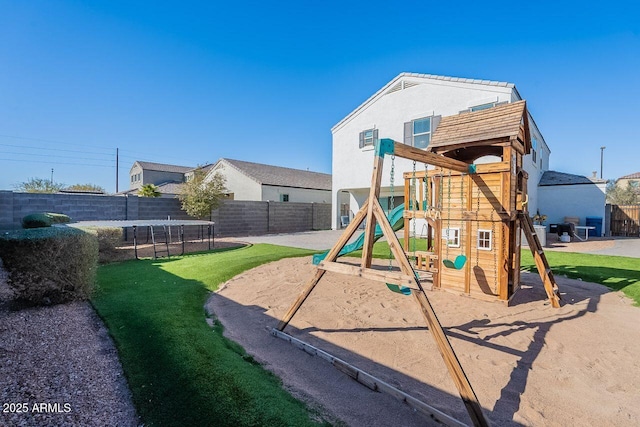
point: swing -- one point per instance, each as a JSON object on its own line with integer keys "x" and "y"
{"x": 393, "y": 287}
{"x": 461, "y": 259}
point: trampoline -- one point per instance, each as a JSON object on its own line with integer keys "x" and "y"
{"x": 157, "y": 228}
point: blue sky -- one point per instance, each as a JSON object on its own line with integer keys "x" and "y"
{"x": 190, "y": 82}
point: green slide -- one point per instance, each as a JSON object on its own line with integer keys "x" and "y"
{"x": 395, "y": 219}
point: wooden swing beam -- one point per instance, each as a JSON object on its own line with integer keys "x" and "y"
{"x": 373, "y": 212}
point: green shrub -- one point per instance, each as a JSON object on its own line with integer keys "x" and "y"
{"x": 109, "y": 238}
{"x": 57, "y": 218}
{"x": 50, "y": 265}
{"x": 44, "y": 219}
{"x": 36, "y": 220}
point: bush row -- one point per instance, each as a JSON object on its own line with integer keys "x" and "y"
{"x": 50, "y": 265}
{"x": 44, "y": 219}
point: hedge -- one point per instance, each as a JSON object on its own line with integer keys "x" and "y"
{"x": 44, "y": 219}
{"x": 50, "y": 265}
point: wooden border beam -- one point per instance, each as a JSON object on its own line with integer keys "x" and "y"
{"x": 412, "y": 153}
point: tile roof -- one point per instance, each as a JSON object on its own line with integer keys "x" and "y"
{"x": 550, "y": 178}
{"x": 281, "y": 176}
{"x": 458, "y": 79}
{"x": 161, "y": 167}
{"x": 631, "y": 176}
{"x": 404, "y": 75}
{"x": 170, "y": 187}
{"x": 502, "y": 121}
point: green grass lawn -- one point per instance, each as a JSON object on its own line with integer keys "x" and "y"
{"x": 616, "y": 272}
{"x": 180, "y": 371}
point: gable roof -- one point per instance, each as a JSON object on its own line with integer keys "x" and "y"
{"x": 397, "y": 84}
{"x": 281, "y": 176}
{"x": 550, "y": 178}
{"x": 500, "y": 122}
{"x": 161, "y": 167}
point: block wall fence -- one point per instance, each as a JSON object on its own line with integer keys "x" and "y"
{"x": 233, "y": 218}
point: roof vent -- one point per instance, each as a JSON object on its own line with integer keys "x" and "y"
{"x": 395, "y": 88}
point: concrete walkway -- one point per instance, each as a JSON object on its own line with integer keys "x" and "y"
{"x": 316, "y": 240}
{"x": 623, "y": 246}
{"x": 325, "y": 239}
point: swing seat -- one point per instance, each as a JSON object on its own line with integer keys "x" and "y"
{"x": 458, "y": 263}
{"x": 399, "y": 289}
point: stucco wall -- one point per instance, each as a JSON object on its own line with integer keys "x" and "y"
{"x": 583, "y": 200}
{"x": 352, "y": 166}
{"x": 242, "y": 187}
{"x": 299, "y": 195}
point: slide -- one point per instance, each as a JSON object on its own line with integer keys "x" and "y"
{"x": 395, "y": 219}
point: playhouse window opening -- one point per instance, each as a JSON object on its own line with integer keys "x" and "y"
{"x": 452, "y": 237}
{"x": 485, "y": 240}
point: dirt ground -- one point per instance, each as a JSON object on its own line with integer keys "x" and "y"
{"x": 126, "y": 250}
{"x": 529, "y": 364}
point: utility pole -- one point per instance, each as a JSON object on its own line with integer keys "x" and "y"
{"x": 601, "y": 159}
{"x": 117, "y": 159}
{"x": 51, "y": 176}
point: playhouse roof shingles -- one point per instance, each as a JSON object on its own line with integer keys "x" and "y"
{"x": 502, "y": 121}
{"x": 283, "y": 177}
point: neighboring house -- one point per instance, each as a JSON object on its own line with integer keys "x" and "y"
{"x": 158, "y": 174}
{"x": 633, "y": 179}
{"x": 563, "y": 195}
{"x": 408, "y": 109}
{"x": 259, "y": 182}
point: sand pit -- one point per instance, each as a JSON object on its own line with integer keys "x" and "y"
{"x": 529, "y": 364}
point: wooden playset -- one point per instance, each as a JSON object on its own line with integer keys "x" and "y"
{"x": 473, "y": 218}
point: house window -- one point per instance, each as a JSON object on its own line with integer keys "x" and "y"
{"x": 534, "y": 149}
{"x": 368, "y": 138}
{"x": 284, "y": 197}
{"x": 485, "y": 238}
{"x": 451, "y": 236}
{"x": 484, "y": 106}
{"x": 422, "y": 132}
{"x": 417, "y": 133}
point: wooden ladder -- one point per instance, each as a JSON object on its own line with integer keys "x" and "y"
{"x": 166, "y": 235}
{"x": 550, "y": 285}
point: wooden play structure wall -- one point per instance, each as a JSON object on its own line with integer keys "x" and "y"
{"x": 488, "y": 200}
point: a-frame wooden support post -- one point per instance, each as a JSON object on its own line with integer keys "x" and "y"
{"x": 549, "y": 282}
{"x": 373, "y": 212}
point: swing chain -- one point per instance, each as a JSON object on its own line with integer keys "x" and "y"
{"x": 477, "y": 223}
{"x": 427, "y": 202}
{"x": 463, "y": 221}
{"x": 495, "y": 255}
{"x": 413, "y": 188}
{"x": 448, "y": 214}
{"x": 391, "y": 199}
{"x": 391, "y": 179}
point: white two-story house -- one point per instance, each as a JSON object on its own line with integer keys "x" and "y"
{"x": 408, "y": 109}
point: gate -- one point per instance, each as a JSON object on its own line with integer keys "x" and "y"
{"x": 625, "y": 220}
